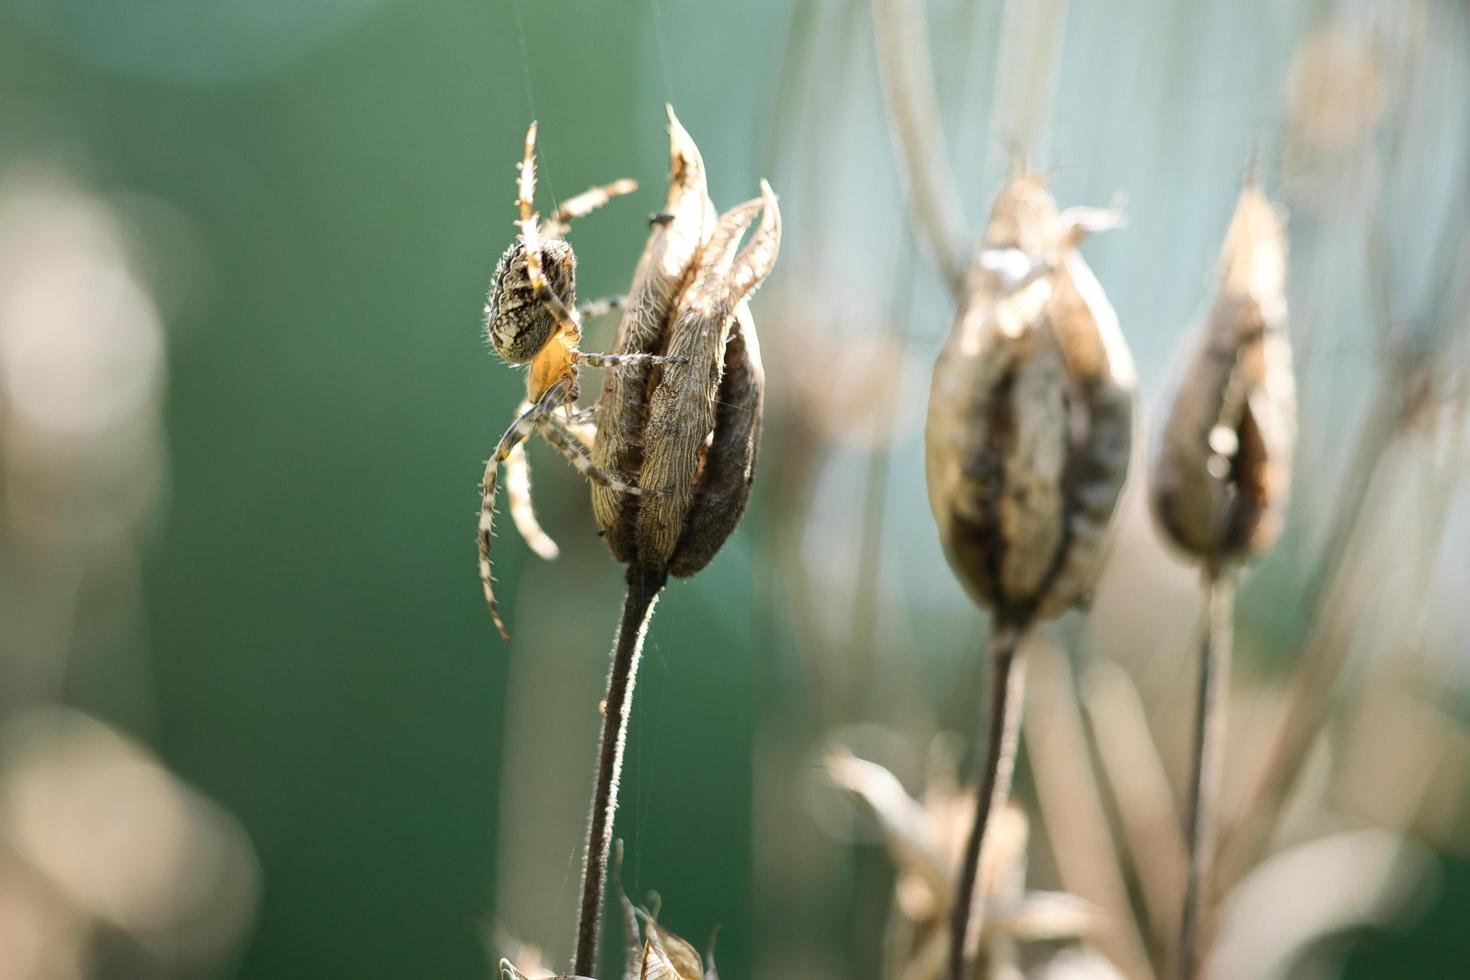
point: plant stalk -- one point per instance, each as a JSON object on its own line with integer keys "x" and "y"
{"x": 1209, "y": 745}
{"x": 644, "y": 585}
{"x": 1007, "y": 687}
{"x": 906, "y": 76}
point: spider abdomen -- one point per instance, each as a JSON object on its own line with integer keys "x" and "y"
{"x": 518, "y": 323}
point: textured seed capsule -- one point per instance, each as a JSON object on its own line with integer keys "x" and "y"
{"x": 1224, "y": 461}
{"x": 689, "y": 430}
{"x": 1030, "y": 414}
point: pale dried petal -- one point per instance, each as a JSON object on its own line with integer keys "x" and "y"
{"x": 682, "y": 956}
{"x": 1325, "y": 887}
{"x": 911, "y": 833}
{"x": 1044, "y": 916}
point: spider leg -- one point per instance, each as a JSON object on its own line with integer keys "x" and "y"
{"x": 585, "y": 203}
{"x": 518, "y": 500}
{"x": 518, "y": 432}
{"x": 616, "y": 360}
{"x": 531, "y": 238}
{"x": 599, "y": 307}
{"x": 526, "y": 183}
{"x": 582, "y": 423}
{"x": 570, "y": 444}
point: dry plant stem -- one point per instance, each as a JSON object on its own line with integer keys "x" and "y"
{"x": 1007, "y": 689}
{"x": 1204, "y": 787}
{"x": 1026, "y": 73}
{"x": 1152, "y": 830}
{"x": 1069, "y": 802}
{"x": 906, "y": 73}
{"x": 1244, "y": 838}
{"x": 644, "y": 585}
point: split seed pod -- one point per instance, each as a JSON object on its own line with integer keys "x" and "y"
{"x": 1031, "y": 412}
{"x": 689, "y": 431}
{"x": 1224, "y": 462}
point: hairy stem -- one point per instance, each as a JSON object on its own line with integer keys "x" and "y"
{"x": 1204, "y": 787}
{"x": 1007, "y": 686}
{"x": 644, "y": 585}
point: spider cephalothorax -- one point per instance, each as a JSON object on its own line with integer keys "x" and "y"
{"x": 531, "y": 318}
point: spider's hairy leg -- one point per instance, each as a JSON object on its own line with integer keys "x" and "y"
{"x": 565, "y": 315}
{"x": 616, "y": 360}
{"x": 601, "y": 307}
{"x": 585, "y": 203}
{"x": 526, "y": 184}
{"x": 531, "y": 238}
{"x": 582, "y": 423}
{"x": 569, "y": 443}
{"x": 518, "y": 432}
{"x": 518, "y": 500}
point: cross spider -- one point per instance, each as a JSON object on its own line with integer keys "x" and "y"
{"x": 531, "y": 318}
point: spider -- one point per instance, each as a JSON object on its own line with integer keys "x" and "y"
{"x": 531, "y": 318}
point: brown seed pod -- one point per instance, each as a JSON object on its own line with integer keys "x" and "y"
{"x": 679, "y": 232}
{"x": 1030, "y": 413}
{"x": 1224, "y": 460}
{"x": 689, "y": 430}
{"x": 658, "y": 954}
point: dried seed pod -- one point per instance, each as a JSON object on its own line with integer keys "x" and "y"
{"x": 659, "y": 954}
{"x": 1030, "y": 412}
{"x": 1224, "y": 461}
{"x": 729, "y": 464}
{"x": 679, "y": 232}
{"x": 690, "y": 429}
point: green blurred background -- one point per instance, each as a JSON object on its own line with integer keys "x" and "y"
{"x": 314, "y": 196}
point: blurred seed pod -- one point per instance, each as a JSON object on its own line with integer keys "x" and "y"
{"x": 1223, "y": 464}
{"x": 1030, "y": 413}
{"x": 689, "y": 431}
{"x": 925, "y": 837}
{"x": 658, "y": 954}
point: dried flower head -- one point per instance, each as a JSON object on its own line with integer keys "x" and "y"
{"x": 926, "y": 838}
{"x": 1224, "y": 461}
{"x": 686, "y": 432}
{"x": 658, "y": 954}
{"x": 1030, "y": 414}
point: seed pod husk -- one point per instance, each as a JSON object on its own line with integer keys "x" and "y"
{"x": 689, "y": 430}
{"x": 677, "y": 235}
{"x": 1030, "y": 414}
{"x": 729, "y": 466}
{"x": 1223, "y": 467}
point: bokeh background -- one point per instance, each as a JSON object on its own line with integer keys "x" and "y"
{"x": 254, "y": 721}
